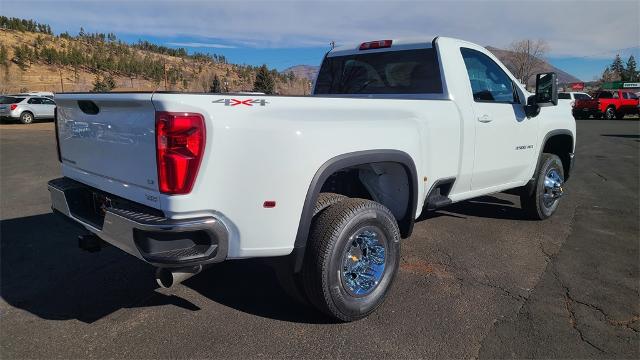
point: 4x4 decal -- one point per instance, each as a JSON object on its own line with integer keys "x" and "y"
{"x": 235, "y": 102}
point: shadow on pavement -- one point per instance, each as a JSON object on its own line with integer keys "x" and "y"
{"x": 484, "y": 206}
{"x": 251, "y": 286}
{"x": 43, "y": 272}
{"x": 627, "y": 136}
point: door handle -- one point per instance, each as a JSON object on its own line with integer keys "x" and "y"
{"x": 485, "y": 118}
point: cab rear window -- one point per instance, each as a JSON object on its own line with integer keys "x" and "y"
{"x": 390, "y": 72}
{"x": 565, "y": 96}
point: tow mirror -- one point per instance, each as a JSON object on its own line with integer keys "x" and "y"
{"x": 546, "y": 89}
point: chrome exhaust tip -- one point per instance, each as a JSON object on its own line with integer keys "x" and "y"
{"x": 168, "y": 277}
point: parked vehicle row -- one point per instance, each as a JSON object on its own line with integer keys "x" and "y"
{"x": 27, "y": 108}
{"x": 607, "y": 104}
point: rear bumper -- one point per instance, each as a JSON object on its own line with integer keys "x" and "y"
{"x": 585, "y": 112}
{"x": 148, "y": 235}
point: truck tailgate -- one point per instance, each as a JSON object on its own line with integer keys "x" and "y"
{"x": 586, "y": 104}
{"x": 117, "y": 143}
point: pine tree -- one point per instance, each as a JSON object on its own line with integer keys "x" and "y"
{"x": 4, "y": 56}
{"x": 617, "y": 67}
{"x": 215, "y": 85}
{"x": 22, "y": 56}
{"x": 631, "y": 72}
{"x": 264, "y": 81}
{"x": 104, "y": 84}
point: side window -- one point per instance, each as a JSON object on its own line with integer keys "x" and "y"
{"x": 34, "y": 101}
{"x": 565, "y": 96}
{"x": 489, "y": 82}
{"x": 48, "y": 102}
{"x": 615, "y": 95}
{"x": 633, "y": 96}
{"x": 579, "y": 96}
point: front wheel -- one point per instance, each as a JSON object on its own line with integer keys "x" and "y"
{"x": 542, "y": 200}
{"x": 610, "y": 113}
{"x": 352, "y": 258}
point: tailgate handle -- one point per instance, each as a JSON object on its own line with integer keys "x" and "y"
{"x": 88, "y": 107}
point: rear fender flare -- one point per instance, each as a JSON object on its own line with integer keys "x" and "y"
{"x": 348, "y": 160}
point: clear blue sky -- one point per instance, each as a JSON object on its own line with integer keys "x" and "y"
{"x": 583, "y": 35}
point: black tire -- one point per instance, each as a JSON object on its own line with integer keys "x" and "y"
{"x": 291, "y": 283}
{"x": 533, "y": 200}
{"x": 26, "y": 117}
{"x": 610, "y": 113}
{"x": 333, "y": 233}
{"x": 325, "y": 200}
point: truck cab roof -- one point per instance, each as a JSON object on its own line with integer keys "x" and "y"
{"x": 392, "y": 44}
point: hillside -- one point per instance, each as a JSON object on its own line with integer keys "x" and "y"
{"x": 73, "y": 63}
{"x": 309, "y": 71}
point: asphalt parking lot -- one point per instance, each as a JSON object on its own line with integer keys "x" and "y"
{"x": 476, "y": 279}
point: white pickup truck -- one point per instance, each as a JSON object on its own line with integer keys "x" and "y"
{"x": 330, "y": 182}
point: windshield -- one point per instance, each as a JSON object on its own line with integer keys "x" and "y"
{"x": 389, "y": 72}
{"x": 9, "y": 100}
{"x": 580, "y": 96}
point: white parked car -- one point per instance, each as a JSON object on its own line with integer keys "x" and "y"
{"x": 26, "y": 108}
{"x": 330, "y": 182}
{"x": 568, "y": 98}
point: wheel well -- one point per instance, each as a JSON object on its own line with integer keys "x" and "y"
{"x": 384, "y": 182}
{"x": 26, "y": 111}
{"x": 562, "y": 146}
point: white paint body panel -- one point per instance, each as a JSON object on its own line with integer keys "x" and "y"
{"x": 272, "y": 152}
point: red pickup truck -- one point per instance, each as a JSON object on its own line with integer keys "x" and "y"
{"x": 609, "y": 104}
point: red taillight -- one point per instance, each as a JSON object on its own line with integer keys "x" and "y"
{"x": 379, "y": 44}
{"x": 180, "y": 140}
{"x": 13, "y": 106}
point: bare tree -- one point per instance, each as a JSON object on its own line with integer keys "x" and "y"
{"x": 525, "y": 58}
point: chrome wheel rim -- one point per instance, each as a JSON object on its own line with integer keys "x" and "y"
{"x": 363, "y": 261}
{"x": 610, "y": 113}
{"x": 553, "y": 190}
